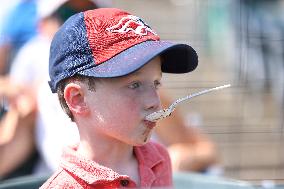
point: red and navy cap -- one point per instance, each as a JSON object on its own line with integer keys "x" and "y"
{"x": 110, "y": 42}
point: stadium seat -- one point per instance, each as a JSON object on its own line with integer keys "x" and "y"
{"x": 23, "y": 182}
{"x": 185, "y": 180}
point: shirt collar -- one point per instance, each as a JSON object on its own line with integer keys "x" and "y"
{"x": 91, "y": 172}
{"x": 148, "y": 155}
{"x": 148, "y": 158}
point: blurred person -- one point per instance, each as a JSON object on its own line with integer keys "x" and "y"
{"x": 17, "y": 27}
{"x": 259, "y": 26}
{"x": 16, "y": 130}
{"x": 262, "y": 33}
{"x": 28, "y": 71}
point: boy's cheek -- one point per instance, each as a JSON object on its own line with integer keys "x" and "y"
{"x": 129, "y": 114}
{"x": 121, "y": 112}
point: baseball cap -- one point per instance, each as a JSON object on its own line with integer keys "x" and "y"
{"x": 109, "y": 42}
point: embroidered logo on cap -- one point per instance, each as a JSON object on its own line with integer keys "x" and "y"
{"x": 131, "y": 23}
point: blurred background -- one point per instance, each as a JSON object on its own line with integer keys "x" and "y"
{"x": 240, "y": 42}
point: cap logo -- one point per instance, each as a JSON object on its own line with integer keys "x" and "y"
{"x": 131, "y": 23}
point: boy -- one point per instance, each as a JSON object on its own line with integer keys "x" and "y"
{"x": 106, "y": 66}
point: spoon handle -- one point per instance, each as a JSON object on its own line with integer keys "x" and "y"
{"x": 197, "y": 94}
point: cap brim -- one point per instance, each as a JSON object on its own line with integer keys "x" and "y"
{"x": 176, "y": 58}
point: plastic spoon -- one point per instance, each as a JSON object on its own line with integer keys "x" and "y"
{"x": 155, "y": 116}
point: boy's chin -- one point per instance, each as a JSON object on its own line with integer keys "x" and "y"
{"x": 144, "y": 138}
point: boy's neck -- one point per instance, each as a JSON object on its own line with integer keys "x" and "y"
{"x": 121, "y": 157}
{"x": 117, "y": 153}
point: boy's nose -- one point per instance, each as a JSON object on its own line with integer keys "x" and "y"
{"x": 152, "y": 100}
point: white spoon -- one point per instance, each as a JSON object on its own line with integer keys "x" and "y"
{"x": 155, "y": 116}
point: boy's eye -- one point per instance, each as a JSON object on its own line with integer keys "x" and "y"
{"x": 135, "y": 85}
{"x": 157, "y": 84}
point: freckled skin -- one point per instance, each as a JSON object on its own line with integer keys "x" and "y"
{"x": 118, "y": 106}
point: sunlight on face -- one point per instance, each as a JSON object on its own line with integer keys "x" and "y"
{"x": 119, "y": 105}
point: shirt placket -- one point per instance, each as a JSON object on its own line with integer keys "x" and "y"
{"x": 119, "y": 183}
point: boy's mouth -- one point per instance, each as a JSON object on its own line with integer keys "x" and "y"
{"x": 149, "y": 124}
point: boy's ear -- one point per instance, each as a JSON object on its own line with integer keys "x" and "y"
{"x": 75, "y": 99}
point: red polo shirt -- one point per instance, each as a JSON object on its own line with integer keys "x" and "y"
{"x": 78, "y": 172}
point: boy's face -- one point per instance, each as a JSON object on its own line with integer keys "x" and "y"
{"x": 118, "y": 106}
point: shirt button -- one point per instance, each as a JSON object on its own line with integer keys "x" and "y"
{"x": 124, "y": 182}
